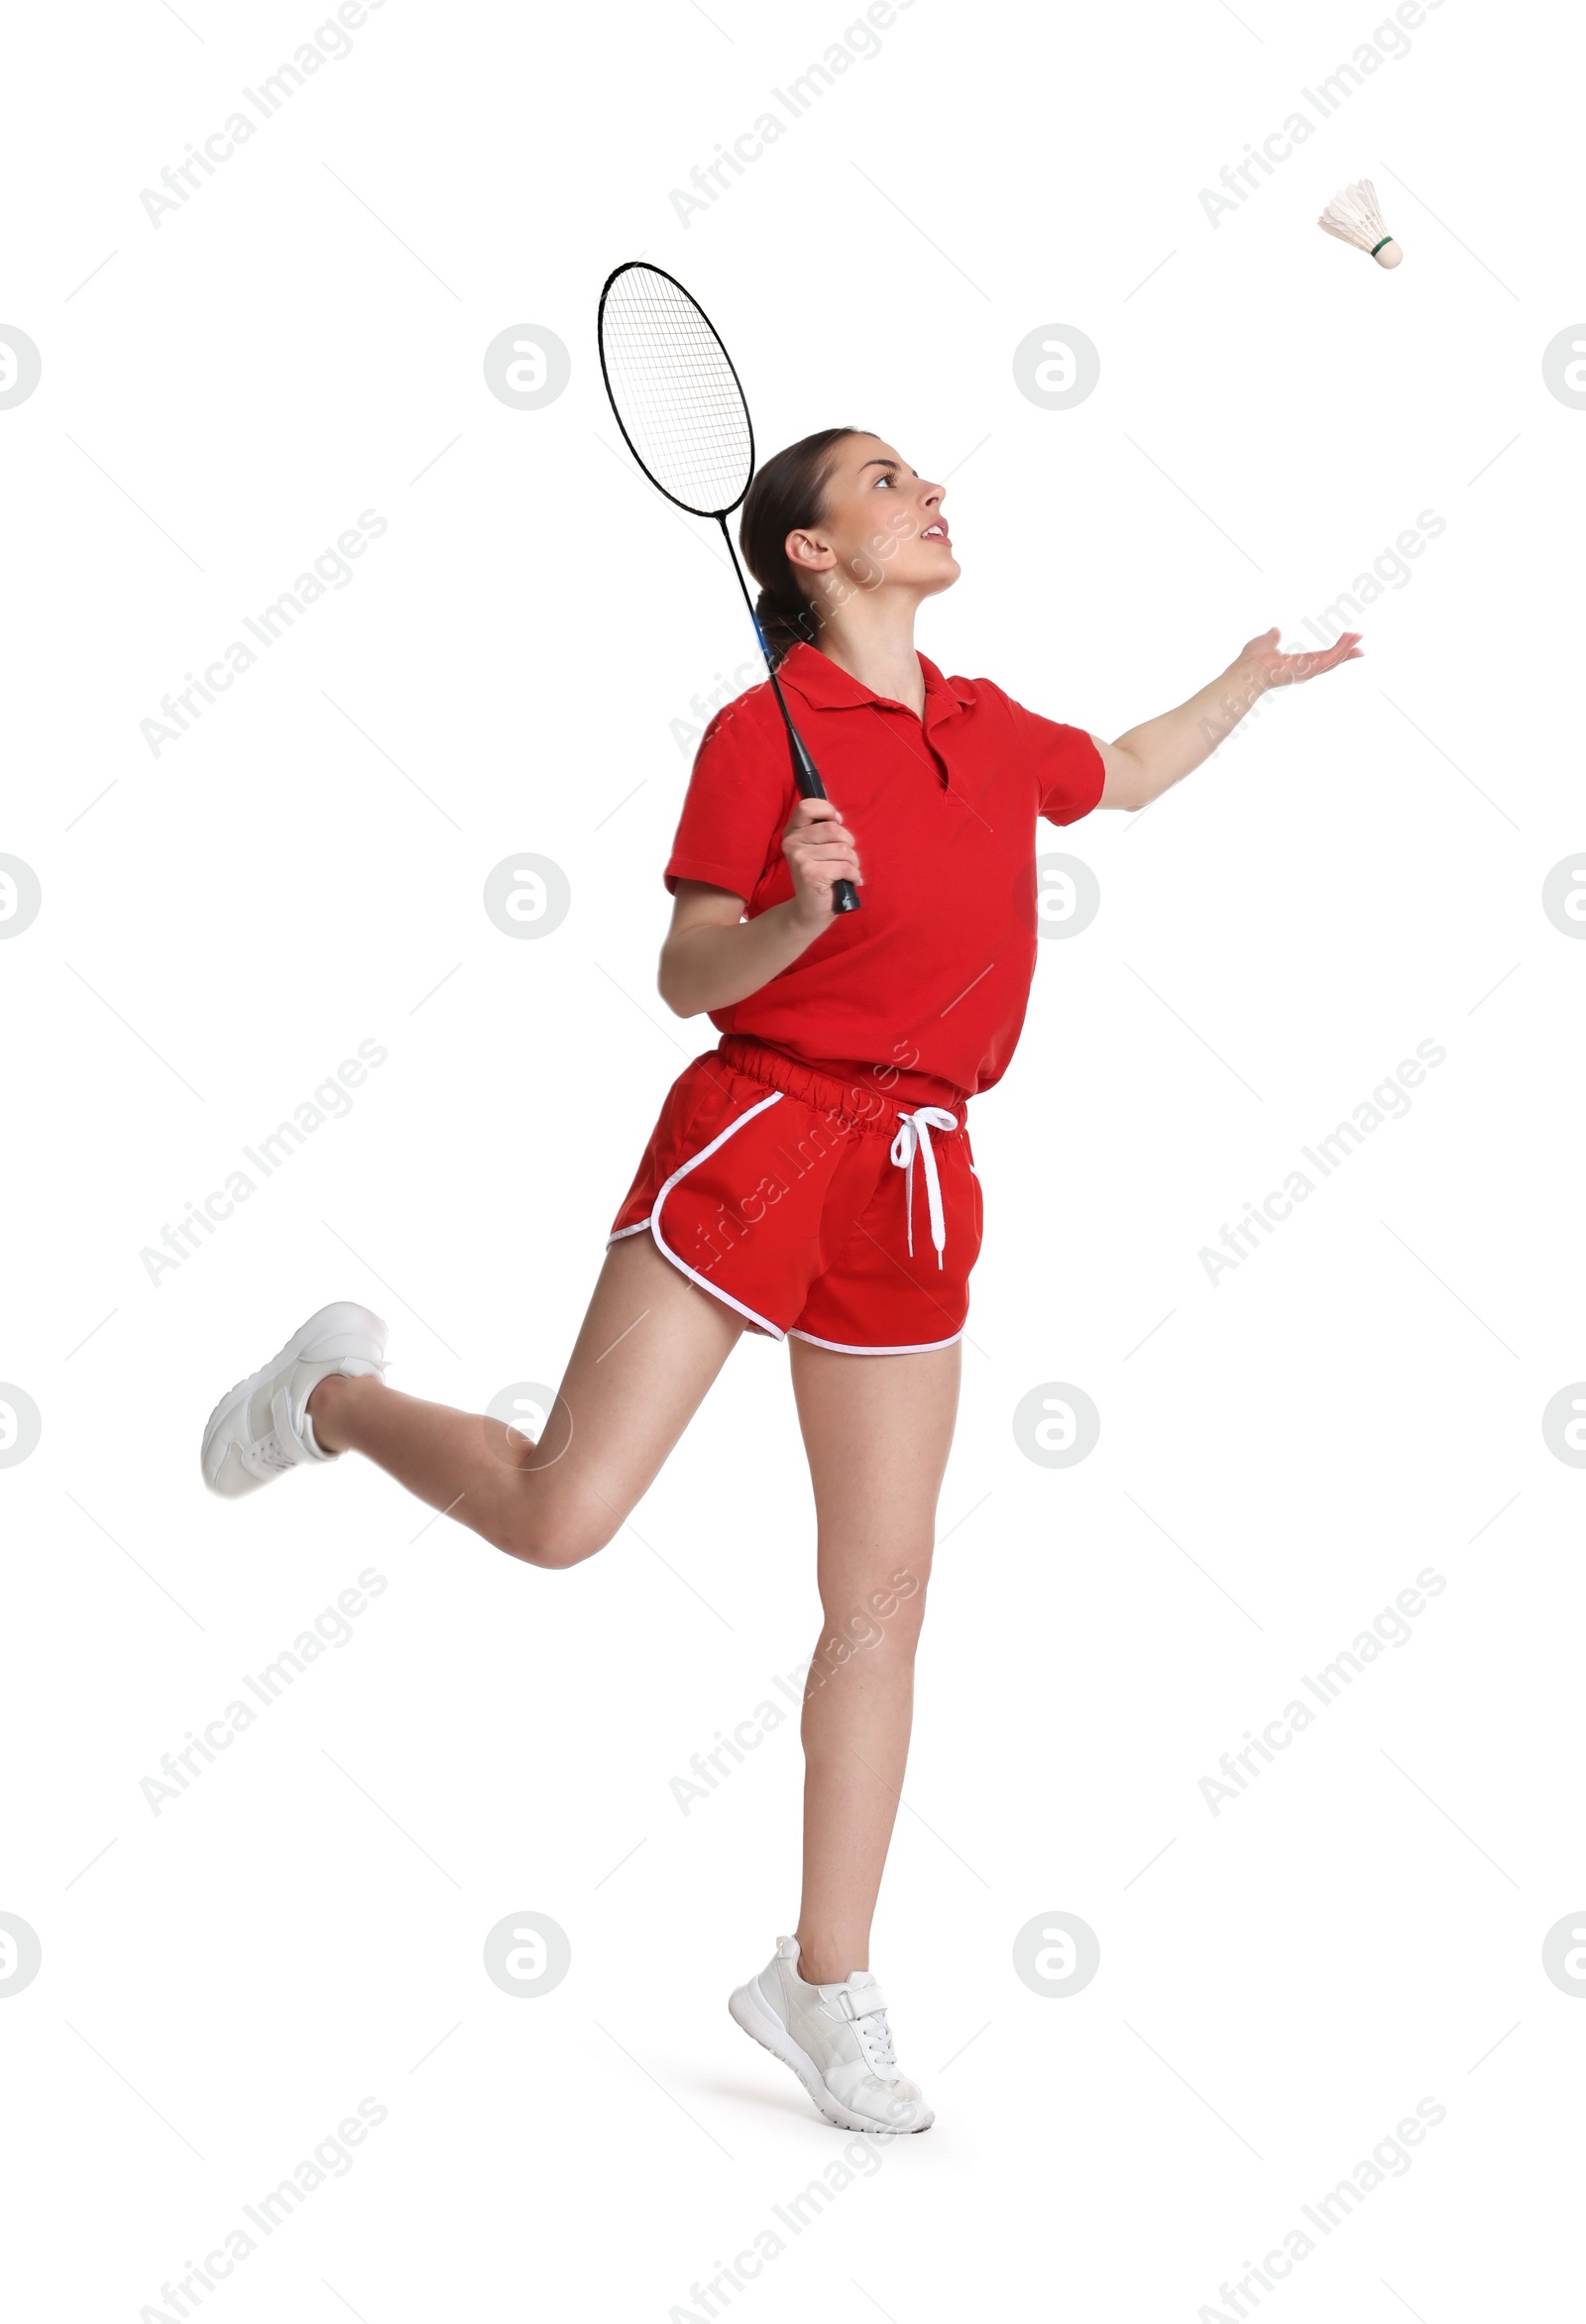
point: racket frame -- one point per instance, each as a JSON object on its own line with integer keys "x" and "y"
{"x": 806, "y": 776}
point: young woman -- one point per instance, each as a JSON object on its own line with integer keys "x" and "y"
{"x": 811, "y": 1177}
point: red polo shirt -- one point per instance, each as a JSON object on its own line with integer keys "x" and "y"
{"x": 933, "y": 972}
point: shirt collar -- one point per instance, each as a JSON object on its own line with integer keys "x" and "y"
{"x": 823, "y": 685}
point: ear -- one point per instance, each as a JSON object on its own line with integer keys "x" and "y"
{"x": 803, "y": 550}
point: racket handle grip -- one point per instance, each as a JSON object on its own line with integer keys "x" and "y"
{"x": 845, "y": 895}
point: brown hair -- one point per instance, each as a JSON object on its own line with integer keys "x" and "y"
{"x": 789, "y": 492}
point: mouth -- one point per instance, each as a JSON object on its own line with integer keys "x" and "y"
{"x": 938, "y": 532}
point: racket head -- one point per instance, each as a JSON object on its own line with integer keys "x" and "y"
{"x": 671, "y": 383}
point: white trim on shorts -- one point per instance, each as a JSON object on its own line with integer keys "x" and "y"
{"x": 843, "y": 1348}
{"x": 653, "y": 1222}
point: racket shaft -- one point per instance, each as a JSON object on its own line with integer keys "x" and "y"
{"x": 806, "y": 775}
{"x": 805, "y": 772}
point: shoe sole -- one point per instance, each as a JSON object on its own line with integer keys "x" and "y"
{"x": 747, "y": 2008}
{"x": 342, "y": 1318}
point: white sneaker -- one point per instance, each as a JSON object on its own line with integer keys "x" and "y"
{"x": 263, "y": 1425}
{"x": 837, "y": 2042}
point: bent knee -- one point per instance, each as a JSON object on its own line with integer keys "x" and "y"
{"x": 555, "y": 1539}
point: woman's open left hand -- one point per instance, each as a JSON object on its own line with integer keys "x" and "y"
{"x": 1261, "y": 658}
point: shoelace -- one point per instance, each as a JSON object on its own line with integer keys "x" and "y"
{"x": 272, "y": 1454}
{"x": 865, "y": 2012}
{"x": 876, "y": 2038}
{"x": 914, "y": 1138}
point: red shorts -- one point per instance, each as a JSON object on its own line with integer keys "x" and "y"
{"x": 840, "y": 1206}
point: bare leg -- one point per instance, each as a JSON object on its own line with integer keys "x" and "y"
{"x": 648, "y": 1348}
{"x": 877, "y": 1429}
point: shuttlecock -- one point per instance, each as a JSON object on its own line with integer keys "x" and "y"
{"x": 1353, "y": 216}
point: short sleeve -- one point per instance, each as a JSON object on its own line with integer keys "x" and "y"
{"x": 1065, "y": 763}
{"x": 738, "y": 801}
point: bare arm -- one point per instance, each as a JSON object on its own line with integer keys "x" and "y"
{"x": 1152, "y": 757}
{"x": 714, "y": 957}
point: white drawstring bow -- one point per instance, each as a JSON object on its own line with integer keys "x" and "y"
{"x": 914, "y": 1138}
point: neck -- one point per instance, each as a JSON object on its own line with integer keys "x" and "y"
{"x": 872, "y": 637}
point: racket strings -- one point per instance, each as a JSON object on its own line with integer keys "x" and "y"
{"x": 675, "y": 393}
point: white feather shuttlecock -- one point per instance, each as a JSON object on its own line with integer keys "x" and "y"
{"x": 1354, "y": 217}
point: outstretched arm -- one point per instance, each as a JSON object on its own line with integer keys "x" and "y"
{"x": 1151, "y": 758}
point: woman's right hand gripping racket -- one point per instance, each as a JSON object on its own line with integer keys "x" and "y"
{"x": 682, "y": 413}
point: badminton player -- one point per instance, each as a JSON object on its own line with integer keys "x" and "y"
{"x": 811, "y": 1176}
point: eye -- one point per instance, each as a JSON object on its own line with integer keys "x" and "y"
{"x": 884, "y": 479}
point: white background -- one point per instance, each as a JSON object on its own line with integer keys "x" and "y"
{"x": 1359, "y": 871}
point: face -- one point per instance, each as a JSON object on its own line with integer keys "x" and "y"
{"x": 883, "y": 527}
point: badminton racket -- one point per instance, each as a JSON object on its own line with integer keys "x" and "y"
{"x": 681, "y": 408}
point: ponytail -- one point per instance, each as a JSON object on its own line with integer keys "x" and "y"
{"x": 786, "y": 620}
{"x": 788, "y": 493}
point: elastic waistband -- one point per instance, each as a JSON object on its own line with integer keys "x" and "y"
{"x": 869, "y": 1097}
